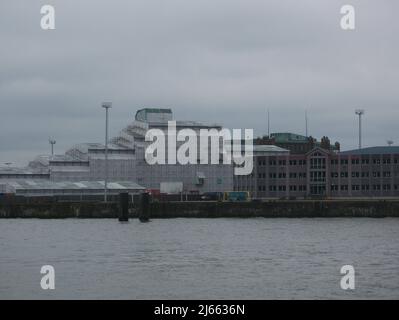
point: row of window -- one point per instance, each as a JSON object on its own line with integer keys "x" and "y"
{"x": 320, "y": 162}
{"x": 275, "y": 188}
{"x": 282, "y": 175}
{"x": 345, "y": 187}
{"x": 365, "y": 161}
{"x": 366, "y": 174}
{"x": 344, "y": 174}
{"x": 282, "y": 162}
{"x": 364, "y": 187}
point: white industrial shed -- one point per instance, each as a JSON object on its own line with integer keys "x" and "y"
{"x": 28, "y": 187}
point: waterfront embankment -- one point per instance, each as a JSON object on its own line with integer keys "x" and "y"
{"x": 208, "y": 209}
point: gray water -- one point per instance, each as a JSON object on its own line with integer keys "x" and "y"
{"x": 200, "y": 258}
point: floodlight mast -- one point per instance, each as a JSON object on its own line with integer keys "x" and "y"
{"x": 52, "y": 143}
{"x": 106, "y": 106}
{"x": 360, "y": 112}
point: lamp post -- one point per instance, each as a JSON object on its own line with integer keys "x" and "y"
{"x": 360, "y": 112}
{"x": 106, "y": 106}
{"x": 52, "y": 143}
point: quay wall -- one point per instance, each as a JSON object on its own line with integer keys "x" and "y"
{"x": 205, "y": 209}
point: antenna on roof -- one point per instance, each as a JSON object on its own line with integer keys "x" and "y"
{"x": 306, "y": 123}
{"x": 389, "y": 142}
{"x": 52, "y": 143}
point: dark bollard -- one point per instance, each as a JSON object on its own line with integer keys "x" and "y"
{"x": 124, "y": 206}
{"x": 144, "y": 215}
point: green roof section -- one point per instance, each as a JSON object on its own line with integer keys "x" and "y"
{"x": 285, "y": 137}
{"x": 141, "y": 114}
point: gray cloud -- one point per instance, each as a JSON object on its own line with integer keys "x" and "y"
{"x": 223, "y": 61}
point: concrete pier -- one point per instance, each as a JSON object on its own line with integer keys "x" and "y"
{"x": 202, "y": 209}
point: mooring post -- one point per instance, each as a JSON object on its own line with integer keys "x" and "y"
{"x": 144, "y": 214}
{"x": 124, "y": 206}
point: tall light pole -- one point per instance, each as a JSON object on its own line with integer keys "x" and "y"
{"x": 360, "y": 112}
{"x": 52, "y": 142}
{"x": 106, "y": 106}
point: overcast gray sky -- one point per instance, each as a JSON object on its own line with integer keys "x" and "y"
{"x": 223, "y": 61}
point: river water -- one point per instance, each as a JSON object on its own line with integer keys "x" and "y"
{"x": 200, "y": 258}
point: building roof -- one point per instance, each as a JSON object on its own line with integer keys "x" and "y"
{"x": 285, "y": 137}
{"x": 187, "y": 124}
{"x": 142, "y": 114}
{"x": 373, "y": 150}
{"x": 269, "y": 148}
{"x": 22, "y": 171}
{"x": 33, "y": 184}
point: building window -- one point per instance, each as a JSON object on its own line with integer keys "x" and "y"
{"x": 344, "y": 187}
{"x": 376, "y": 174}
{"x": 355, "y": 174}
{"x": 317, "y": 163}
{"x": 302, "y": 174}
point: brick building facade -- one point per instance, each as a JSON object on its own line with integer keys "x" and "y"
{"x": 368, "y": 172}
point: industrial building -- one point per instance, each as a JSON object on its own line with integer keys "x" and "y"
{"x": 286, "y": 165}
{"x": 126, "y": 160}
{"x": 28, "y": 187}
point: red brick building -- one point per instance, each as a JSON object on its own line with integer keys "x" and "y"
{"x": 368, "y": 172}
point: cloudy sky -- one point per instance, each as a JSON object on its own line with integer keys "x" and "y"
{"x": 218, "y": 61}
